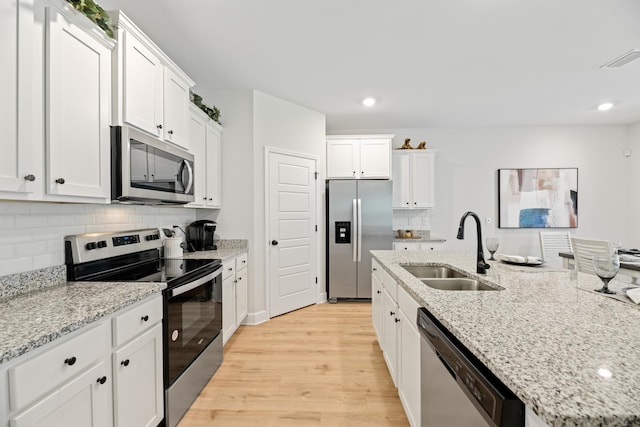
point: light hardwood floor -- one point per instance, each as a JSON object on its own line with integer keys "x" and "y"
{"x": 317, "y": 366}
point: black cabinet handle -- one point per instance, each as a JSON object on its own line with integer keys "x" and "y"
{"x": 391, "y": 313}
{"x": 170, "y": 132}
{"x": 125, "y": 362}
{"x": 145, "y": 318}
{"x": 70, "y": 361}
{"x": 159, "y": 126}
{"x": 30, "y": 178}
{"x": 60, "y": 180}
{"x": 102, "y": 380}
{"x": 274, "y": 242}
{"x": 379, "y": 292}
{"x": 397, "y": 320}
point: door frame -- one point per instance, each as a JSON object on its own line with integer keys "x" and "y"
{"x": 316, "y": 159}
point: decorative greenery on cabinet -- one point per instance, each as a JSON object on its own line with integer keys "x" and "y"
{"x": 213, "y": 113}
{"x": 95, "y": 13}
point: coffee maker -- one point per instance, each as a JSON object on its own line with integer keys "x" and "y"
{"x": 200, "y": 235}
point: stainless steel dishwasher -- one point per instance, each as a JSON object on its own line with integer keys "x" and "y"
{"x": 456, "y": 388}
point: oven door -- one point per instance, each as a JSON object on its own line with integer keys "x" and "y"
{"x": 193, "y": 318}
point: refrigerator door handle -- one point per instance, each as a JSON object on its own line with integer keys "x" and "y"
{"x": 354, "y": 228}
{"x": 359, "y": 230}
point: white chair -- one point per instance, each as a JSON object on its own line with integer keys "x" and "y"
{"x": 553, "y": 242}
{"x": 585, "y": 249}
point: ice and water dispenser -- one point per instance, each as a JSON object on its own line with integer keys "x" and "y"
{"x": 343, "y": 232}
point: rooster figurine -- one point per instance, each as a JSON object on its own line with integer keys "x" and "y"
{"x": 406, "y": 145}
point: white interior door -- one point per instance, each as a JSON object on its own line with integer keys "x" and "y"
{"x": 292, "y": 235}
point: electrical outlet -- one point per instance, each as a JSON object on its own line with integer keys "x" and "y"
{"x": 488, "y": 221}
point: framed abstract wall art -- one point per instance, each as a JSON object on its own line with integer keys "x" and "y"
{"x": 538, "y": 198}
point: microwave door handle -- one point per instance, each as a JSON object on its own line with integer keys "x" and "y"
{"x": 187, "y": 187}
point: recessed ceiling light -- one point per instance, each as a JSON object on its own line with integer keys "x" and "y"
{"x": 368, "y": 102}
{"x": 606, "y": 106}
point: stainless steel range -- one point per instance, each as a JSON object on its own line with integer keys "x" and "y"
{"x": 192, "y": 323}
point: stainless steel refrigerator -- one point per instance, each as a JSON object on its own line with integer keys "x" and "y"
{"x": 359, "y": 219}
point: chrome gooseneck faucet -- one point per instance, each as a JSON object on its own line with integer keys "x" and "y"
{"x": 481, "y": 265}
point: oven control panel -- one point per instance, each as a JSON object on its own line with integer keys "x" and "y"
{"x": 95, "y": 246}
{"x": 127, "y": 240}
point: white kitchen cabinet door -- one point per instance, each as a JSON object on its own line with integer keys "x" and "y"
{"x": 390, "y": 334}
{"x": 374, "y": 158}
{"x": 197, "y": 140}
{"x": 78, "y": 111}
{"x": 138, "y": 388}
{"x": 229, "y": 324}
{"x": 409, "y": 358}
{"x": 176, "y": 109}
{"x": 142, "y": 86}
{"x": 422, "y": 180}
{"x": 241, "y": 296}
{"x": 213, "y": 166}
{"x": 413, "y": 179}
{"x": 343, "y": 159}
{"x": 401, "y": 178}
{"x": 83, "y": 402}
{"x": 20, "y": 167}
{"x": 376, "y": 307}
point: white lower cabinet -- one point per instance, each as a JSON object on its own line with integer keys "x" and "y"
{"x": 409, "y": 357}
{"x": 234, "y": 295}
{"x": 82, "y": 402}
{"x": 394, "y": 314}
{"x": 137, "y": 374}
{"x": 87, "y": 378}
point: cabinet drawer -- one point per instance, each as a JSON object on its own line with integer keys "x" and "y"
{"x": 229, "y": 269}
{"x": 376, "y": 270}
{"x": 136, "y": 320}
{"x": 241, "y": 261}
{"x": 52, "y": 368}
{"x": 389, "y": 284}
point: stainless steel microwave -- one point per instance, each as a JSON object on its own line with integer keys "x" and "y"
{"x": 145, "y": 170}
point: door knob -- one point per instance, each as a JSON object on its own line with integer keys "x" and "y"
{"x": 274, "y": 242}
{"x": 60, "y": 180}
{"x": 30, "y": 178}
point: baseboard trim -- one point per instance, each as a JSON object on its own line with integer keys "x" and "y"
{"x": 256, "y": 318}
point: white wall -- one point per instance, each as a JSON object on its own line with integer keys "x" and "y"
{"x": 631, "y": 184}
{"x": 254, "y": 120}
{"x": 466, "y": 177}
{"x": 32, "y": 234}
{"x": 282, "y": 124}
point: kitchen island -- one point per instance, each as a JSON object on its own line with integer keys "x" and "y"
{"x": 553, "y": 344}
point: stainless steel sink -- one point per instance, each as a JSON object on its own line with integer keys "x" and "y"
{"x": 458, "y": 284}
{"x": 432, "y": 271}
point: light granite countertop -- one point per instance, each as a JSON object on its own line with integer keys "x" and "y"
{"x": 35, "y": 318}
{"x": 545, "y": 338}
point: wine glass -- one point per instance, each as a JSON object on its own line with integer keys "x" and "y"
{"x": 606, "y": 267}
{"x": 492, "y": 246}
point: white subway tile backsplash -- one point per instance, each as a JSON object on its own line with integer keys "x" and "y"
{"x": 32, "y": 234}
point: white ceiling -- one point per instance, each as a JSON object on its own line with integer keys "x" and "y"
{"x": 446, "y": 63}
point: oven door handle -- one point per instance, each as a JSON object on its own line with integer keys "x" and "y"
{"x": 192, "y": 285}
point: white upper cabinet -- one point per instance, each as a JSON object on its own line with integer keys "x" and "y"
{"x": 176, "y": 108}
{"x": 57, "y": 109}
{"x": 20, "y": 162}
{"x": 78, "y": 76}
{"x": 150, "y": 91}
{"x": 142, "y": 85}
{"x": 359, "y": 156}
{"x": 205, "y": 142}
{"x": 413, "y": 179}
